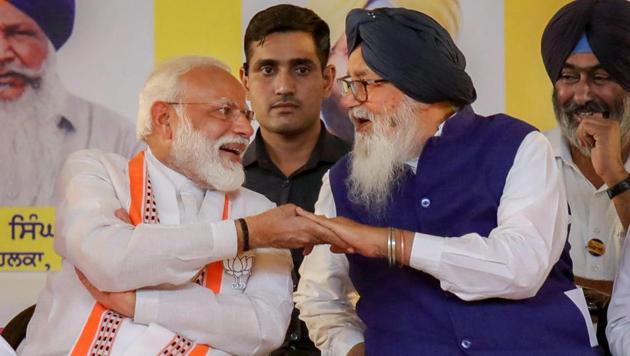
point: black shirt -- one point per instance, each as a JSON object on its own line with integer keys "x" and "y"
{"x": 300, "y": 188}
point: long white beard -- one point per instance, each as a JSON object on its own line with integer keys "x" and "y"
{"x": 30, "y": 140}
{"x": 378, "y": 158}
{"x": 197, "y": 157}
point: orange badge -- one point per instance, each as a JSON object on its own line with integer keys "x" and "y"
{"x": 596, "y": 247}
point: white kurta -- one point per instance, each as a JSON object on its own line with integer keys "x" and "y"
{"x": 618, "y": 328}
{"x": 512, "y": 262}
{"x": 593, "y": 216}
{"x": 248, "y": 316}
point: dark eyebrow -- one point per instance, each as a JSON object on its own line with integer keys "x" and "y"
{"x": 265, "y": 62}
{"x": 301, "y": 61}
{"x": 359, "y": 73}
{"x": 20, "y": 26}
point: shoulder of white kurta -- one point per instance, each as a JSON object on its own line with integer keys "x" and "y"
{"x": 96, "y": 156}
{"x": 96, "y": 163}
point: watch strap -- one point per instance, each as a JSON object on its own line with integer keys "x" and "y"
{"x": 619, "y": 188}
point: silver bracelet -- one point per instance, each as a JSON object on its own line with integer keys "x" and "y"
{"x": 391, "y": 247}
{"x": 402, "y": 248}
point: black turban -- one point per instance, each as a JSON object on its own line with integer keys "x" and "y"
{"x": 606, "y": 24}
{"x": 412, "y": 51}
{"x": 54, "y": 17}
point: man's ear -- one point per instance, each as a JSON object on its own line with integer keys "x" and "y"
{"x": 242, "y": 73}
{"x": 161, "y": 120}
{"x": 329, "y": 74}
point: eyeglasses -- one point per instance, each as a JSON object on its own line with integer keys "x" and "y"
{"x": 226, "y": 112}
{"x": 358, "y": 88}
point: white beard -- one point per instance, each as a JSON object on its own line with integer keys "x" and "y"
{"x": 30, "y": 141}
{"x": 620, "y": 111}
{"x": 378, "y": 158}
{"x": 197, "y": 157}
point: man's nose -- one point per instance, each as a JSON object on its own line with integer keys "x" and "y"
{"x": 242, "y": 126}
{"x": 6, "y": 50}
{"x": 284, "y": 83}
{"x": 583, "y": 92}
{"x": 348, "y": 100}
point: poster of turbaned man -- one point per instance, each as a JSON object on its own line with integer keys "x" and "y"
{"x": 71, "y": 70}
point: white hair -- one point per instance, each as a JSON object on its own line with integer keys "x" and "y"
{"x": 164, "y": 84}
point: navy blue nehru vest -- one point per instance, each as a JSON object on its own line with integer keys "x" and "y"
{"x": 460, "y": 180}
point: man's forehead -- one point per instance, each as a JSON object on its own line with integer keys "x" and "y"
{"x": 357, "y": 68}
{"x": 582, "y": 61}
{"x": 212, "y": 84}
{"x": 284, "y": 47}
{"x": 11, "y": 15}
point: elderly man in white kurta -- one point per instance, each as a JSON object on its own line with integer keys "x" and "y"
{"x": 175, "y": 283}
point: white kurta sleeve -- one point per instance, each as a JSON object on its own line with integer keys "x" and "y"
{"x": 251, "y": 323}
{"x": 325, "y": 292}
{"x": 114, "y": 255}
{"x": 514, "y": 260}
{"x": 618, "y": 328}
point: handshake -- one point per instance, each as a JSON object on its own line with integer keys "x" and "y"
{"x": 289, "y": 226}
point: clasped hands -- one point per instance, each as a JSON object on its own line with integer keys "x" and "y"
{"x": 286, "y": 226}
{"x": 289, "y": 226}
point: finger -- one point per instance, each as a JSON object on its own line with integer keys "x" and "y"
{"x": 307, "y": 250}
{"x": 96, "y": 294}
{"x": 122, "y": 215}
{"x": 325, "y": 228}
{"x": 81, "y": 276}
{"x": 289, "y": 208}
{"x": 588, "y": 141}
{"x": 338, "y": 249}
{"x": 326, "y": 235}
{"x": 322, "y": 220}
{"x": 584, "y": 138}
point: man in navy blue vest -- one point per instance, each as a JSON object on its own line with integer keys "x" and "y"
{"x": 457, "y": 222}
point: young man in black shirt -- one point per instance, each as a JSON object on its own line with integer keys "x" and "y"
{"x": 287, "y": 77}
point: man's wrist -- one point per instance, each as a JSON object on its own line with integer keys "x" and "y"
{"x": 615, "y": 177}
{"x": 239, "y": 237}
{"x": 244, "y": 239}
{"x": 619, "y": 187}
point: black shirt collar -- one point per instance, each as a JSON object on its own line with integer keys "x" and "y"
{"x": 329, "y": 149}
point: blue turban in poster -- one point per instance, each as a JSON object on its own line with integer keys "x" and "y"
{"x": 606, "y": 25}
{"x": 412, "y": 51}
{"x": 54, "y": 17}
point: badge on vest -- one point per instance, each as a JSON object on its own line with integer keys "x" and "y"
{"x": 596, "y": 247}
{"x": 240, "y": 268}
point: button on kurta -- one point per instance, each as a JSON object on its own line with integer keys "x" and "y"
{"x": 425, "y": 202}
{"x": 466, "y": 343}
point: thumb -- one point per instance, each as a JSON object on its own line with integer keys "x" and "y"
{"x": 122, "y": 215}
